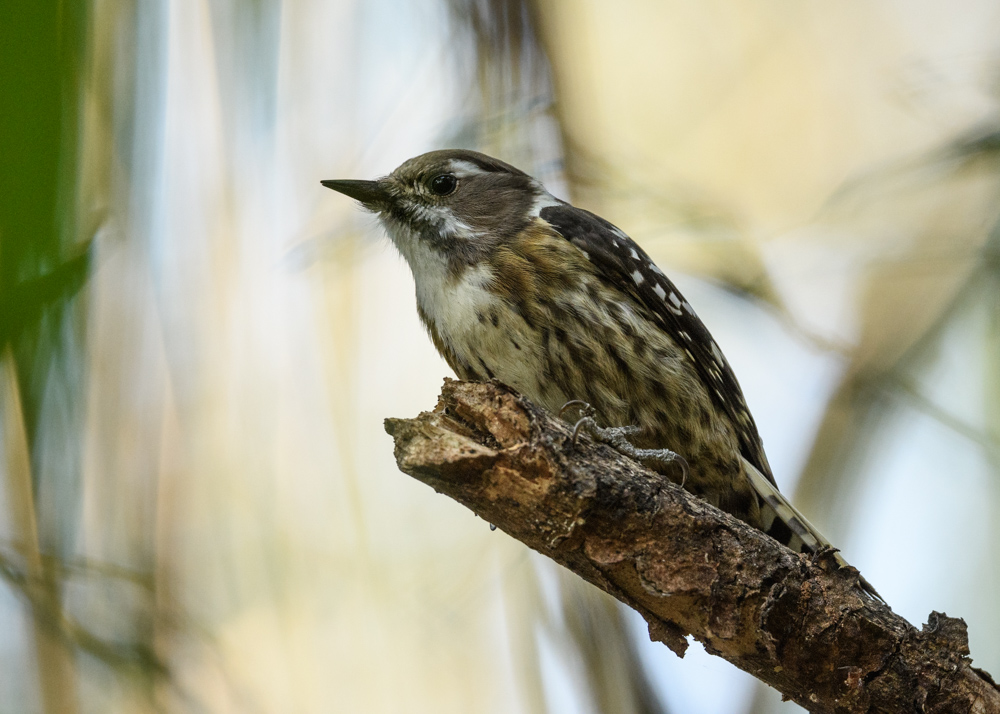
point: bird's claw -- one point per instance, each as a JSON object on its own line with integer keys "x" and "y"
{"x": 586, "y": 419}
{"x": 586, "y": 422}
{"x": 585, "y": 408}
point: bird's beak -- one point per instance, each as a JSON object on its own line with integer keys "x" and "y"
{"x": 371, "y": 194}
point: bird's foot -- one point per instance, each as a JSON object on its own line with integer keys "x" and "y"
{"x": 617, "y": 438}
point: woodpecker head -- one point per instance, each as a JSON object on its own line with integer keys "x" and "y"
{"x": 455, "y": 203}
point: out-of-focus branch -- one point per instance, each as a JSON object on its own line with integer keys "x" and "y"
{"x": 798, "y": 624}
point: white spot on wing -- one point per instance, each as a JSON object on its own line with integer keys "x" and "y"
{"x": 637, "y": 277}
{"x": 661, "y": 293}
{"x": 675, "y": 300}
{"x": 635, "y": 256}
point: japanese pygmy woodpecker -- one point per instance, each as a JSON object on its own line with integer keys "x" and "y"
{"x": 515, "y": 284}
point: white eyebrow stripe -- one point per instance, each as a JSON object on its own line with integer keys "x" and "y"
{"x": 463, "y": 168}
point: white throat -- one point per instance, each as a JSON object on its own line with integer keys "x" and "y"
{"x": 450, "y": 301}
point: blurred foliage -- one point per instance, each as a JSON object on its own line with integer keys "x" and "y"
{"x": 907, "y": 303}
{"x": 47, "y": 224}
{"x": 42, "y": 266}
{"x": 42, "y": 49}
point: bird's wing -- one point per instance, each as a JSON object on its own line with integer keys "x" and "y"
{"x": 620, "y": 261}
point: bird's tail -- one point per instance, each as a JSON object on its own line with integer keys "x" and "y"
{"x": 782, "y": 521}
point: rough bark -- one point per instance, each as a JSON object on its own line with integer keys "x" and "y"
{"x": 799, "y": 624}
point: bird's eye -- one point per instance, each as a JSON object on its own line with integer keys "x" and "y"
{"x": 443, "y": 184}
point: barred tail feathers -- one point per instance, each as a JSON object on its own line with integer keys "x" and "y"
{"x": 782, "y": 521}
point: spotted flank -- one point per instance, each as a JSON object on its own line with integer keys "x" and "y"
{"x": 624, "y": 263}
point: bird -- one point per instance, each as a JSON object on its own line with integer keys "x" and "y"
{"x": 517, "y": 285}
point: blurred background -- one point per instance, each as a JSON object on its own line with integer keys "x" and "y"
{"x": 199, "y": 509}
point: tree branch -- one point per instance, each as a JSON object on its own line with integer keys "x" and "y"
{"x": 801, "y": 625}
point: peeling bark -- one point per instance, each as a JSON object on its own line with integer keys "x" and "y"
{"x": 799, "y": 624}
